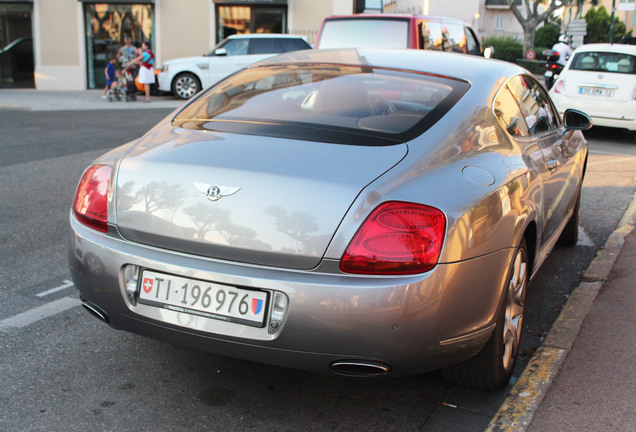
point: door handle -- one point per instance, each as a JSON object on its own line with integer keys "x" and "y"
{"x": 553, "y": 164}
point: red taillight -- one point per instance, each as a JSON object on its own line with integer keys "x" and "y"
{"x": 90, "y": 205}
{"x": 559, "y": 87}
{"x": 397, "y": 238}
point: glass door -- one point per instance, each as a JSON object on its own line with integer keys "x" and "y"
{"x": 16, "y": 45}
{"x": 268, "y": 20}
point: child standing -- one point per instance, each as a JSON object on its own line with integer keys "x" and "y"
{"x": 111, "y": 81}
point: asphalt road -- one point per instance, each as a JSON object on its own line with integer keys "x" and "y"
{"x": 70, "y": 372}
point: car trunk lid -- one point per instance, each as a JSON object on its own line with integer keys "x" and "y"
{"x": 243, "y": 198}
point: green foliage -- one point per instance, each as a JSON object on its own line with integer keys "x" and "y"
{"x": 536, "y": 67}
{"x": 547, "y": 36}
{"x": 598, "y": 26}
{"x": 506, "y": 48}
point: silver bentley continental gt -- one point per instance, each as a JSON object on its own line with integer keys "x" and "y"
{"x": 350, "y": 212}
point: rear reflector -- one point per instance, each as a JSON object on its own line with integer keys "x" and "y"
{"x": 397, "y": 238}
{"x": 90, "y": 205}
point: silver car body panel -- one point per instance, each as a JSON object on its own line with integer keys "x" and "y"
{"x": 283, "y": 211}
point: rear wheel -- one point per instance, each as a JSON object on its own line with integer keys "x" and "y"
{"x": 186, "y": 85}
{"x": 492, "y": 367}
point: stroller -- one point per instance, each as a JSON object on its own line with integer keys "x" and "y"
{"x": 128, "y": 77}
{"x": 125, "y": 89}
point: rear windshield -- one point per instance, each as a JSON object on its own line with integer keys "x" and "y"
{"x": 605, "y": 62}
{"x": 364, "y": 33}
{"x": 328, "y": 103}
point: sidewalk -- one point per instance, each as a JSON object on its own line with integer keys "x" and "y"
{"x": 583, "y": 377}
{"x": 595, "y": 389}
{"x": 42, "y": 100}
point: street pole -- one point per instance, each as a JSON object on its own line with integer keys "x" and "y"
{"x": 611, "y": 35}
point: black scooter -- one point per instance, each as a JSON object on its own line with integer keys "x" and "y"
{"x": 552, "y": 68}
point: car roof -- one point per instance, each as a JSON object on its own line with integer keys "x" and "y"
{"x": 470, "y": 68}
{"x": 264, "y": 35}
{"x": 618, "y": 48}
{"x": 397, "y": 16}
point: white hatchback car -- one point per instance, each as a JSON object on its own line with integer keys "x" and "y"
{"x": 600, "y": 79}
{"x": 185, "y": 77}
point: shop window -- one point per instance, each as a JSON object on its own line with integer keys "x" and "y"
{"x": 107, "y": 25}
{"x": 16, "y": 45}
{"x": 250, "y": 19}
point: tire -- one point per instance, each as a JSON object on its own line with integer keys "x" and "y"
{"x": 186, "y": 85}
{"x": 570, "y": 234}
{"x": 492, "y": 367}
{"x": 549, "y": 82}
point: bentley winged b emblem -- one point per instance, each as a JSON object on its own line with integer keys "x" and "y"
{"x": 215, "y": 192}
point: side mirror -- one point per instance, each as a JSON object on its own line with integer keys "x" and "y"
{"x": 576, "y": 120}
{"x": 489, "y": 51}
{"x": 220, "y": 52}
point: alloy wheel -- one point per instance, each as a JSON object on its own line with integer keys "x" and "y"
{"x": 515, "y": 305}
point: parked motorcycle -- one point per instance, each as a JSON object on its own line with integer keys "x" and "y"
{"x": 552, "y": 68}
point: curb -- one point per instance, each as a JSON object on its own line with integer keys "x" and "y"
{"x": 517, "y": 411}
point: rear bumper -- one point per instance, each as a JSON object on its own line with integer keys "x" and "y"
{"x": 413, "y": 324}
{"x": 620, "y": 115}
{"x": 628, "y": 124}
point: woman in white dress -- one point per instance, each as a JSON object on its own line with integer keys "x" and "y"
{"x": 147, "y": 70}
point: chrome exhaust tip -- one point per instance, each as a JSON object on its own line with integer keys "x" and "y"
{"x": 96, "y": 311}
{"x": 360, "y": 368}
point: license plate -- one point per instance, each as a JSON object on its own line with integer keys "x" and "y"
{"x": 206, "y": 299}
{"x": 594, "y": 91}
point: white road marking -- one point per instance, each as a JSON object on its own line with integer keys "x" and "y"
{"x": 584, "y": 239}
{"x": 67, "y": 284}
{"x": 36, "y": 314}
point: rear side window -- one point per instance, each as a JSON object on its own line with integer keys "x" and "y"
{"x": 364, "y": 33}
{"x": 455, "y": 38}
{"x": 524, "y": 108}
{"x": 534, "y": 104}
{"x": 265, "y": 46}
{"x": 340, "y": 104}
{"x": 604, "y": 62}
{"x": 432, "y": 35}
{"x": 472, "y": 44}
{"x": 293, "y": 44}
{"x": 507, "y": 111}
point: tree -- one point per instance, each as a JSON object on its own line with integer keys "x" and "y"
{"x": 598, "y": 24}
{"x": 579, "y": 7}
{"x": 533, "y": 16}
{"x": 547, "y": 35}
{"x": 571, "y": 14}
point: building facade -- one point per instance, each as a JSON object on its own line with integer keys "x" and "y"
{"x": 74, "y": 39}
{"x": 486, "y": 17}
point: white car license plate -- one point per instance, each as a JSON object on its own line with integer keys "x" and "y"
{"x": 595, "y": 91}
{"x": 202, "y": 298}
